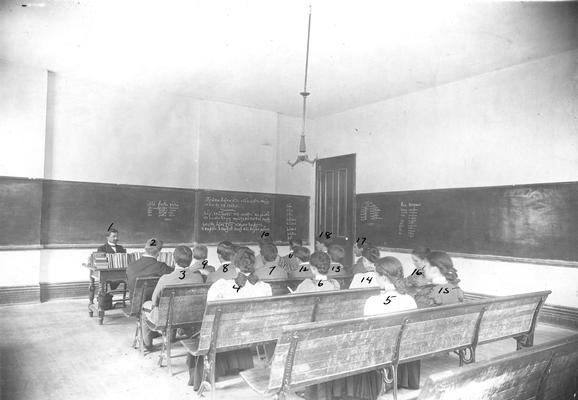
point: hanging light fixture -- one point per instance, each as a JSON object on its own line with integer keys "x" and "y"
{"x": 302, "y": 148}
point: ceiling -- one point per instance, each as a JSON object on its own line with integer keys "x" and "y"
{"x": 252, "y": 52}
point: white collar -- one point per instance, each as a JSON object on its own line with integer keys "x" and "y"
{"x": 111, "y": 244}
{"x": 148, "y": 255}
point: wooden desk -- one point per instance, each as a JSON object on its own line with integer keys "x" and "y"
{"x": 102, "y": 276}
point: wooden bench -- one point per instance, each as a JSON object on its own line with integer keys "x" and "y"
{"x": 180, "y": 306}
{"x": 314, "y": 353}
{"x": 235, "y": 324}
{"x": 548, "y": 371}
{"x": 143, "y": 288}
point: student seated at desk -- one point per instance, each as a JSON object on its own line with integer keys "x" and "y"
{"x": 200, "y": 264}
{"x": 442, "y": 282}
{"x": 322, "y": 244}
{"x": 245, "y": 285}
{"x": 147, "y": 265}
{"x": 419, "y": 257}
{"x": 225, "y": 252}
{"x": 303, "y": 268}
{"x": 370, "y": 254}
{"x": 289, "y": 262}
{"x": 319, "y": 265}
{"x": 336, "y": 254}
{"x": 182, "y": 275}
{"x": 272, "y": 268}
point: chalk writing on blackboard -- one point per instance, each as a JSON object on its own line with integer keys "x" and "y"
{"x": 408, "y": 219}
{"x": 369, "y": 212}
{"x": 290, "y": 222}
{"x": 227, "y": 214}
{"x": 162, "y": 209}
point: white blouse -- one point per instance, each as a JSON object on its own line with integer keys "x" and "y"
{"x": 225, "y": 289}
{"x": 388, "y": 302}
{"x": 365, "y": 280}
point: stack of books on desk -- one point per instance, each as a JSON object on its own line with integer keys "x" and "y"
{"x": 99, "y": 260}
{"x": 166, "y": 257}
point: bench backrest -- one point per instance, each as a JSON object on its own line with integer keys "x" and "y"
{"x": 422, "y": 333}
{"x": 439, "y": 329}
{"x": 510, "y": 315}
{"x": 329, "y": 350}
{"x": 232, "y": 324}
{"x": 548, "y": 371}
{"x": 143, "y": 289}
{"x": 185, "y": 304}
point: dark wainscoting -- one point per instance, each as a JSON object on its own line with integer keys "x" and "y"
{"x": 65, "y": 290}
{"x": 19, "y": 294}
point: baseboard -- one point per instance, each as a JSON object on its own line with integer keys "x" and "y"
{"x": 565, "y": 317}
{"x": 63, "y": 290}
{"x": 19, "y": 294}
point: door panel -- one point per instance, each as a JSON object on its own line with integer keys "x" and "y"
{"x": 335, "y": 196}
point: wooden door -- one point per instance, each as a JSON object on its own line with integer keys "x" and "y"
{"x": 335, "y": 196}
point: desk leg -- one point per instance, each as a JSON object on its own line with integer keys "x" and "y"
{"x": 91, "y": 290}
{"x": 101, "y": 297}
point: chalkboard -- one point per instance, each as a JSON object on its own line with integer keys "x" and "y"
{"x": 527, "y": 221}
{"x": 80, "y": 213}
{"x": 242, "y": 217}
{"x": 20, "y": 212}
{"x": 291, "y": 218}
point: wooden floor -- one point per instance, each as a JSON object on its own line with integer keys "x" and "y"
{"x": 55, "y": 351}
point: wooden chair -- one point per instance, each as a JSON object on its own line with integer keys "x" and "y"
{"x": 548, "y": 371}
{"x": 143, "y": 288}
{"x": 180, "y": 306}
{"x": 235, "y": 324}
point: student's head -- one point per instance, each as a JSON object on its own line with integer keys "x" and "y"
{"x": 322, "y": 244}
{"x": 112, "y": 236}
{"x": 265, "y": 240}
{"x": 389, "y": 271}
{"x": 302, "y": 253}
{"x": 153, "y": 247}
{"x": 269, "y": 252}
{"x": 225, "y": 251}
{"x": 336, "y": 253}
{"x": 419, "y": 256}
{"x": 183, "y": 256}
{"x": 293, "y": 243}
{"x": 439, "y": 262}
{"x": 244, "y": 259}
{"x": 200, "y": 252}
{"x": 371, "y": 253}
{"x": 320, "y": 262}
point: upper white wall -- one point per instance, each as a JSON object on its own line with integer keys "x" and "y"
{"x": 238, "y": 148}
{"x": 513, "y": 126}
{"x": 110, "y": 134}
{"x": 22, "y": 120}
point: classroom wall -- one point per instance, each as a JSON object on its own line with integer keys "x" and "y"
{"x": 112, "y": 134}
{"x": 22, "y": 120}
{"x": 512, "y": 126}
{"x": 84, "y": 131}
